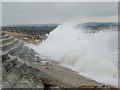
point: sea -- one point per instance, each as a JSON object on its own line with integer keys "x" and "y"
{"x": 93, "y": 55}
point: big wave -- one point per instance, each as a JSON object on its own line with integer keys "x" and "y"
{"x": 93, "y": 55}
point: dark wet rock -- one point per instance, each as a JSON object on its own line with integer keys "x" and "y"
{"x": 28, "y": 81}
{"x": 5, "y": 57}
{"x": 16, "y": 73}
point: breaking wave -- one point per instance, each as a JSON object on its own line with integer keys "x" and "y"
{"x": 93, "y": 55}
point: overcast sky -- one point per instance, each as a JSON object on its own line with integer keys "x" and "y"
{"x": 59, "y": 12}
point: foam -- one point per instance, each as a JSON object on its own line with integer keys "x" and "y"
{"x": 93, "y": 55}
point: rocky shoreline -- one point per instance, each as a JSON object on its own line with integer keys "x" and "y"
{"x": 27, "y": 38}
{"x": 23, "y": 68}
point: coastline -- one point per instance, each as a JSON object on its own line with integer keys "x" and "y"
{"x": 56, "y": 75}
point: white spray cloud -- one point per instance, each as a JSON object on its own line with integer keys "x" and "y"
{"x": 93, "y": 55}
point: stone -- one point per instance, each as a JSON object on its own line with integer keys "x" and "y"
{"x": 5, "y": 84}
{"x": 54, "y": 88}
{"x": 15, "y": 50}
{"x": 5, "y": 57}
{"x": 29, "y": 81}
{"x": 4, "y": 71}
{"x": 6, "y": 40}
{"x": 12, "y": 77}
{"x": 8, "y": 45}
{"x": 14, "y": 62}
{"x": 22, "y": 85}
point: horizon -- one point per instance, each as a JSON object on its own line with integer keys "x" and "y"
{"x": 51, "y": 24}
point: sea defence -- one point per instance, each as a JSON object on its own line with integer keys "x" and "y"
{"x": 22, "y": 67}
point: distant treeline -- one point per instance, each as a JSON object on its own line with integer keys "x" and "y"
{"x": 31, "y": 30}
{"x": 99, "y": 25}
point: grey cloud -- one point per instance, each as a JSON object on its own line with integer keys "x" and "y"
{"x": 49, "y": 12}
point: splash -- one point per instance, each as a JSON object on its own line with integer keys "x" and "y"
{"x": 93, "y": 55}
